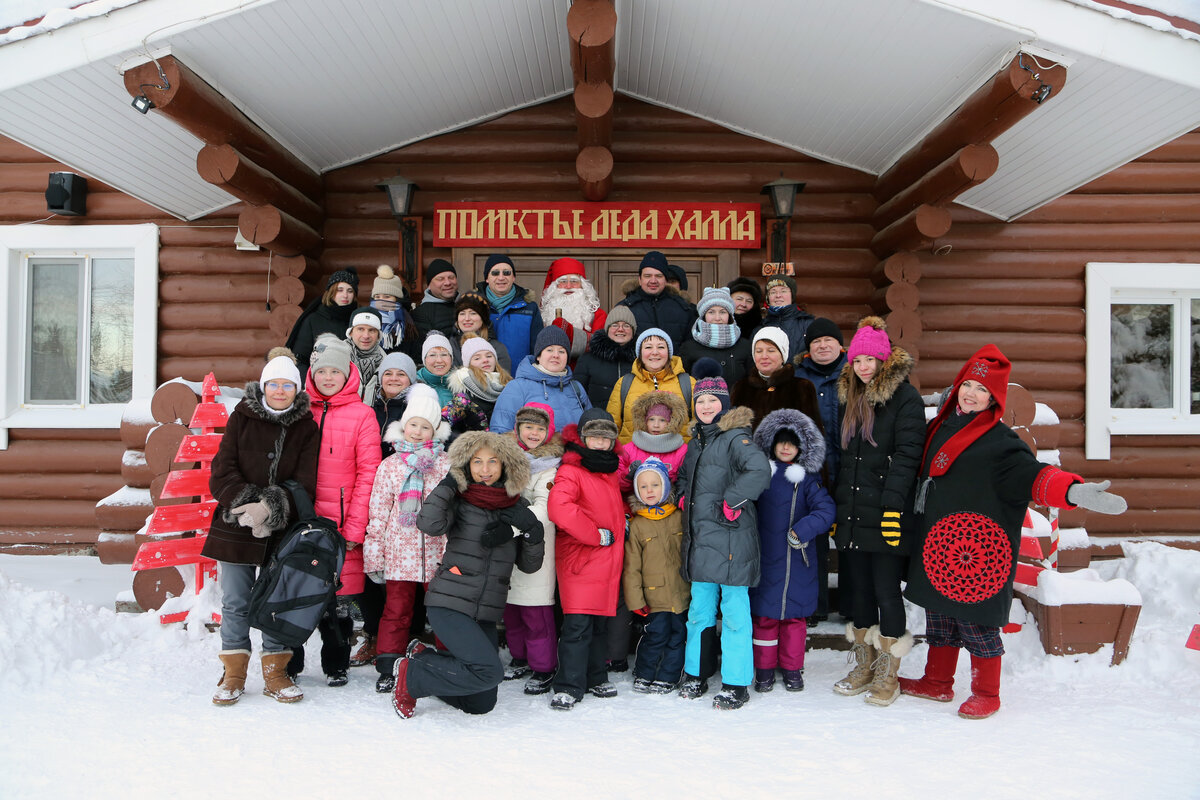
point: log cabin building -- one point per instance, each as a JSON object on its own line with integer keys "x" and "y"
{"x": 1030, "y": 179}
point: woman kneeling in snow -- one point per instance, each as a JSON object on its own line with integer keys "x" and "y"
{"x": 488, "y": 528}
{"x": 977, "y": 478}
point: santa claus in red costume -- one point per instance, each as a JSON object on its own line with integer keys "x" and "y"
{"x": 570, "y": 302}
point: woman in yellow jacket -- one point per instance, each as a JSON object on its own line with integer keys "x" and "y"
{"x": 657, "y": 368}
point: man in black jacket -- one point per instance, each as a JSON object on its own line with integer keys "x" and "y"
{"x": 655, "y": 304}
{"x": 436, "y": 311}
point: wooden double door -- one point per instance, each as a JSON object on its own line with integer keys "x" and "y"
{"x": 606, "y": 269}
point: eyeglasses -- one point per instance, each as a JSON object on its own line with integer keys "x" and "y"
{"x": 505, "y": 273}
{"x": 280, "y": 386}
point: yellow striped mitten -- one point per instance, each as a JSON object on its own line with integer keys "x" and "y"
{"x": 890, "y": 527}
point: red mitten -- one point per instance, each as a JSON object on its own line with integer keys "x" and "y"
{"x": 643, "y": 611}
{"x": 730, "y": 514}
{"x": 567, "y": 328}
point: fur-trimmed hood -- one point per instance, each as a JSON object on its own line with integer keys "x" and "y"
{"x": 888, "y": 378}
{"x": 254, "y": 406}
{"x": 736, "y": 417}
{"x": 512, "y": 458}
{"x": 631, "y": 285}
{"x": 679, "y": 412}
{"x": 812, "y": 443}
{"x": 551, "y": 448}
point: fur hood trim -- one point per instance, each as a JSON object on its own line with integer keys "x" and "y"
{"x": 512, "y": 458}
{"x": 888, "y": 378}
{"x": 781, "y": 376}
{"x": 605, "y": 349}
{"x": 253, "y": 403}
{"x": 736, "y": 417}
{"x": 812, "y": 443}
{"x": 551, "y": 448}
{"x": 631, "y": 285}
{"x": 679, "y": 412}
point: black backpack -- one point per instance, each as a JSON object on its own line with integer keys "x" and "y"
{"x": 301, "y": 577}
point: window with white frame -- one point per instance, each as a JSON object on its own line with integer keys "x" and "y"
{"x": 1143, "y": 351}
{"x": 79, "y": 323}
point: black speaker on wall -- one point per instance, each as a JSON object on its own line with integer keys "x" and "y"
{"x": 67, "y": 194}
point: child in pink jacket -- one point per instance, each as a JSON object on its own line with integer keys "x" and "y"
{"x": 659, "y": 419}
{"x": 396, "y": 553}
{"x": 346, "y": 465}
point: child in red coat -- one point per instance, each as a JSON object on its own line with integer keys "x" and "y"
{"x": 585, "y": 507}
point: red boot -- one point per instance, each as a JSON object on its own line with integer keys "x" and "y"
{"x": 404, "y": 703}
{"x": 985, "y": 689}
{"x": 938, "y": 681}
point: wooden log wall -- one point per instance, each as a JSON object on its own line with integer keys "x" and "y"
{"x": 1021, "y": 285}
{"x": 212, "y": 316}
{"x": 661, "y": 155}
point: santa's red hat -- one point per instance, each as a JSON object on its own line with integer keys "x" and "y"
{"x": 561, "y": 267}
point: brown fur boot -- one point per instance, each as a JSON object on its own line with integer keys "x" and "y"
{"x": 885, "y": 686}
{"x": 863, "y": 653}
{"x": 233, "y": 680}
{"x": 276, "y": 680}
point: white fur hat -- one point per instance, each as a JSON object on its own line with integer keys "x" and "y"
{"x": 776, "y": 336}
{"x": 422, "y": 404}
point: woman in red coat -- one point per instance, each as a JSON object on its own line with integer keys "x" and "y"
{"x": 585, "y": 506}
{"x": 346, "y": 465}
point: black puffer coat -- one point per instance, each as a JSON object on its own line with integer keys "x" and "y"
{"x": 722, "y": 465}
{"x": 874, "y": 478}
{"x": 735, "y": 361}
{"x": 599, "y": 369}
{"x": 794, "y": 322}
{"x": 667, "y": 310}
{"x": 258, "y": 452}
{"x": 386, "y": 412}
{"x": 473, "y": 578}
{"x": 317, "y": 319}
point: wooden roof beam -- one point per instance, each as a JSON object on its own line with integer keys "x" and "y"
{"x": 201, "y": 110}
{"x": 1001, "y": 103}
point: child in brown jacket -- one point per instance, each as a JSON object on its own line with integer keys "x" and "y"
{"x": 653, "y": 584}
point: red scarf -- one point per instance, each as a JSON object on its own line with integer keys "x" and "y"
{"x": 491, "y": 497}
{"x": 991, "y": 368}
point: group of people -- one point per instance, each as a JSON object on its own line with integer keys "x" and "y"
{"x": 581, "y": 480}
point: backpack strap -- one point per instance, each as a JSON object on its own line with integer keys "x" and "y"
{"x": 304, "y": 506}
{"x": 685, "y": 388}
{"x": 626, "y": 383}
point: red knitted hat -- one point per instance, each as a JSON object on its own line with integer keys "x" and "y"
{"x": 991, "y": 368}
{"x": 564, "y": 266}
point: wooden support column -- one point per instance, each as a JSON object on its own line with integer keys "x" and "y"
{"x": 916, "y": 230}
{"x": 592, "y": 28}
{"x": 970, "y": 166}
{"x": 278, "y": 231}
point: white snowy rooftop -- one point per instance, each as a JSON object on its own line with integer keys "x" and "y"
{"x": 858, "y": 84}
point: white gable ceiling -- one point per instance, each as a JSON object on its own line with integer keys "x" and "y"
{"x": 337, "y": 81}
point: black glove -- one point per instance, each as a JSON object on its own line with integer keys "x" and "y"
{"x": 496, "y": 533}
{"x": 521, "y": 517}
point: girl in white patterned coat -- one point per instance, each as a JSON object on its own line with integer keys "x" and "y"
{"x": 395, "y": 551}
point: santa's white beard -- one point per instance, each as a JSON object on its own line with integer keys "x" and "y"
{"x": 578, "y": 308}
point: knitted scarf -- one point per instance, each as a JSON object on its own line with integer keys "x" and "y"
{"x": 439, "y": 383}
{"x": 502, "y": 301}
{"x": 481, "y": 495}
{"x": 601, "y": 461}
{"x": 367, "y": 361}
{"x": 657, "y": 512}
{"x": 489, "y": 391}
{"x": 715, "y": 335}
{"x": 657, "y": 442}
{"x": 417, "y": 459}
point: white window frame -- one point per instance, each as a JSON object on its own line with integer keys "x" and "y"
{"x": 1134, "y": 283}
{"x": 19, "y": 242}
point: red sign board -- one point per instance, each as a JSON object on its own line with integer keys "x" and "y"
{"x": 642, "y": 225}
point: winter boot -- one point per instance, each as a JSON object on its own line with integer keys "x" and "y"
{"x": 617, "y": 665}
{"x": 642, "y": 685}
{"x": 404, "y": 703}
{"x": 366, "y": 652}
{"x": 885, "y": 687}
{"x": 562, "y": 701}
{"x": 793, "y": 680}
{"x": 415, "y": 647}
{"x": 296, "y": 663}
{"x": 603, "y": 689}
{"x": 985, "y": 689}
{"x": 539, "y": 682}
{"x": 938, "y": 681}
{"x": 863, "y": 653}
{"x": 730, "y": 697}
{"x": 692, "y": 687}
{"x": 517, "y": 668}
{"x": 276, "y": 681}
{"x": 233, "y": 680}
{"x": 385, "y": 664}
{"x": 339, "y": 678}
{"x": 663, "y": 687}
{"x": 764, "y": 680}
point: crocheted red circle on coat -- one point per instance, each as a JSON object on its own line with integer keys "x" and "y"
{"x": 967, "y": 557}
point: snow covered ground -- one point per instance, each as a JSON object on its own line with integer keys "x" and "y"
{"x": 103, "y": 705}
